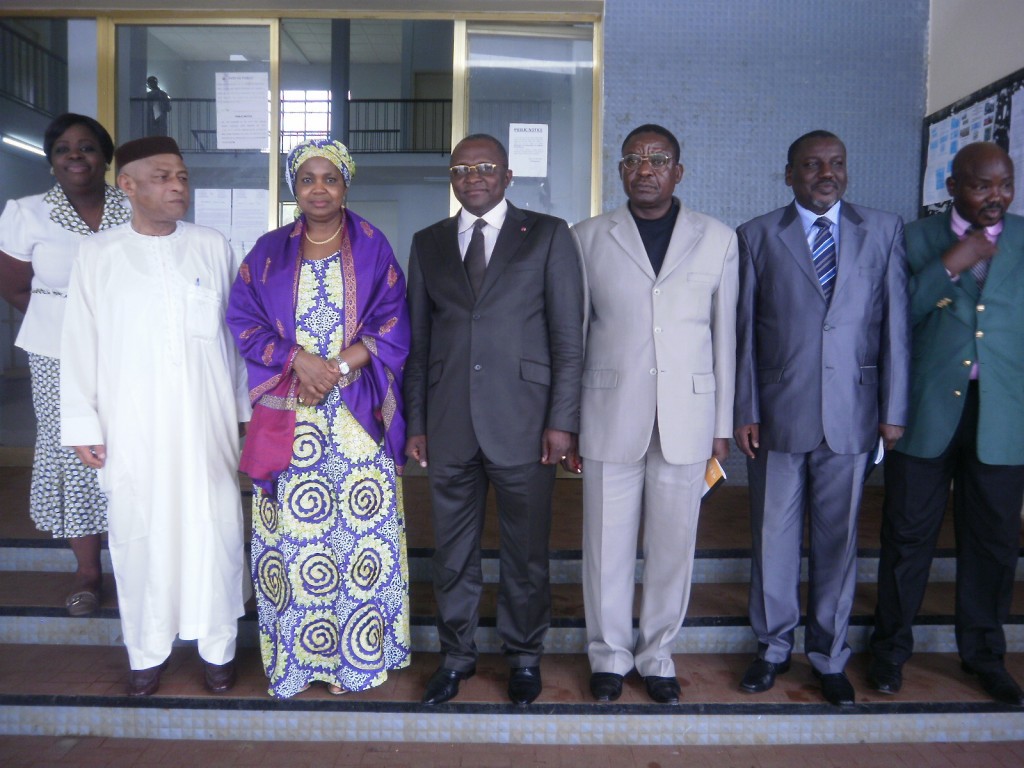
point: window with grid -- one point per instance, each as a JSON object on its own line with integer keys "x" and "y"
{"x": 304, "y": 115}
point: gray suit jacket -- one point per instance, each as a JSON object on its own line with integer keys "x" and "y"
{"x": 806, "y": 371}
{"x": 660, "y": 343}
{"x": 493, "y": 373}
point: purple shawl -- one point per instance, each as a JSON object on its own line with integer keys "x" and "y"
{"x": 261, "y": 316}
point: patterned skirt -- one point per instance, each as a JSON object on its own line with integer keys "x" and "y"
{"x": 329, "y": 559}
{"x": 65, "y": 498}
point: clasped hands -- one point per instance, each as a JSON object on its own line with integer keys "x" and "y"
{"x": 317, "y": 376}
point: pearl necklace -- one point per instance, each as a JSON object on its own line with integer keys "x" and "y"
{"x": 324, "y": 242}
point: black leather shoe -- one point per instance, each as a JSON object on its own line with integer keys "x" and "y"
{"x": 998, "y": 683}
{"x": 219, "y": 678}
{"x": 444, "y": 684}
{"x": 760, "y": 676}
{"x": 836, "y": 689}
{"x": 144, "y": 682}
{"x": 664, "y": 690}
{"x": 606, "y": 686}
{"x": 885, "y": 677}
{"x": 524, "y": 685}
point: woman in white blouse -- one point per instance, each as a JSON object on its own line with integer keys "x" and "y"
{"x": 39, "y": 239}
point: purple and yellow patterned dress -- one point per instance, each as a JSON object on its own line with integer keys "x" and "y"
{"x": 329, "y": 552}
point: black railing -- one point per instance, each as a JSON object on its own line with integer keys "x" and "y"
{"x": 32, "y": 75}
{"x": 375, "y": 125}
{"x": 400, "y": 125}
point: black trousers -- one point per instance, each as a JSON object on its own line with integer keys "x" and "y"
{"x": 986, "y": 515}
{"x": 459, "y": 494}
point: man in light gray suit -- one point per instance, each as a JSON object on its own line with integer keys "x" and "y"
{"x": 657, "y": 403}
{"x": 822, "y": 370}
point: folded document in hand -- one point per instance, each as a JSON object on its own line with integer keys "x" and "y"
{"x": 714, "y": 476}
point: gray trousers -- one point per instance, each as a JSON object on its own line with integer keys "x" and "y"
{"x": 785, "y": 488}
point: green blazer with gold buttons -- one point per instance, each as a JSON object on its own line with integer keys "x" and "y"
{"x": 955, "y": 325}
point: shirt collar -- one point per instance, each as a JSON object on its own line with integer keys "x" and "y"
{"x": 495, "y": 217}
{"x": 807, "y": 218}
{"x": 960, "y": 225}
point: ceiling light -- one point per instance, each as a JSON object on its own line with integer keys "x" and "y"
{"x": 24, "y": 145}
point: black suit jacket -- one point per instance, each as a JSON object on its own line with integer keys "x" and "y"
{"x": 496, "y": 371}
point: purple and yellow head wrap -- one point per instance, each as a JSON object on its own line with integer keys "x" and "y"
{"x": 332, "y": 150}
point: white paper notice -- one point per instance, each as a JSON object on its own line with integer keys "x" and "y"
{"x": 248, "y": 218}
{"x": 243, "y": 110}
{"x": 238, "y": 214}
{"x": 528, "y": 149}
{"x": 213, "y": 209}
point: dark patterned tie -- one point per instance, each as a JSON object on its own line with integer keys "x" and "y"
{"x": 476, "y": 260}
{"x": 980, "y": 268}
{"x": 823, "y": 253}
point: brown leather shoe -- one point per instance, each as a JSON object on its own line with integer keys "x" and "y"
{"x": 219, "y": 677}
{"x": 144, "y": 682}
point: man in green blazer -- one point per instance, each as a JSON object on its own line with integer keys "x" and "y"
{"x": 966, "y": 425}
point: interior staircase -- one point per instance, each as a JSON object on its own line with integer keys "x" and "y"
{"x": 66, "y": 676}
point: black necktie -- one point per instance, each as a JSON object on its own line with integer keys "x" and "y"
{"x": 476, "y": 261}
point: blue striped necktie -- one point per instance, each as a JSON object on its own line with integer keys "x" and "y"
{"x": 823, "y": 253}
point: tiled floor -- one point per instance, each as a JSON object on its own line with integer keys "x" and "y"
{"x": 86, "y": 752}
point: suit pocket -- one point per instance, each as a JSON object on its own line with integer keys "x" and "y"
{"x": 869, "y": 374}
{"x": 600, "y": 378}
{"x": 703, "y": 383}
{"x": 769, "y": 375}
{"x": 702, "y": 277}
{"x": 434, "y": 372}
{"x": 538, "y": 373}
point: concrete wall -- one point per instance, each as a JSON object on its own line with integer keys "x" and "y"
{"x": 972, "y": 43}
{"x": 739, "y": 81}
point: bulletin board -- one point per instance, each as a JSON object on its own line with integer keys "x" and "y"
{"x": 993, "y": 113}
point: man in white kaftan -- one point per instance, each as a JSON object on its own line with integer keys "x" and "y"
{"x": 152, "y": 390}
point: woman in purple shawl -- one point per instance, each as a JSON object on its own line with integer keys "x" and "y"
{"x": 318, "y": 312}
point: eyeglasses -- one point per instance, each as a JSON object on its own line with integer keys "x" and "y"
{"x": 483, "y": 169}
{"x": 657, "y": 160}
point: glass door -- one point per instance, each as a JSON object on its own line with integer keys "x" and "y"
{"x": 208, "y": 86}
{"x": 532, "y": 86}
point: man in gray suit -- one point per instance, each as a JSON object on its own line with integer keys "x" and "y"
{"x": 492, "y": 386}
{"x": 657, "y": 403}
{"x": 822, "y": 367}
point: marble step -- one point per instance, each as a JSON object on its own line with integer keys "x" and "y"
{"x": 709, "y": 566}
{"x": 60, "y": 690}
{"x": 32, "y": 611}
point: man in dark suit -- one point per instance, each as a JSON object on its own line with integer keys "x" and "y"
{"x": 821, "y": 372}
{"x": 492, "y": 386}
{"x": 966, "y": 426}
